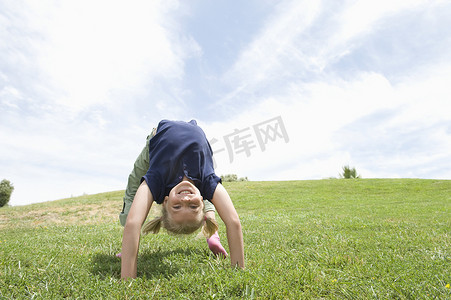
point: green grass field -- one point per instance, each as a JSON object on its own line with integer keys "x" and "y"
{"x": 327, "y": 239}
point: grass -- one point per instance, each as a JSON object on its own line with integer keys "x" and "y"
{"x": 328, "y": 239}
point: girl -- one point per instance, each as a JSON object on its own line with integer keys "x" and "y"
{"x": 140, "y": 167}
{"x": 180, "y": 175}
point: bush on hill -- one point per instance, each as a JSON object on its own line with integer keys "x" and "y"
{"x": 6, "y": 188}
{"x": 232, "y": 178}
{"x": 349, "y": 173}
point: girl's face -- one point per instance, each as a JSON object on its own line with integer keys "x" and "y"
{"x": 184, "y": 203}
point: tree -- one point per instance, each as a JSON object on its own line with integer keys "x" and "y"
{"x": 6, "y": 188}
{"x": 232, "y": 177}
{"x": 349, "y": 173}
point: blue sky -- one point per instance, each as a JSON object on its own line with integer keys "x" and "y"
{"x": 82, "y": 83}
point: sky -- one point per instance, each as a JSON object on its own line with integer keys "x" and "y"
{"x": 285, "y": 90}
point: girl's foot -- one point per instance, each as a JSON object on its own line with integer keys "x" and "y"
{"x": 215, "y": 245}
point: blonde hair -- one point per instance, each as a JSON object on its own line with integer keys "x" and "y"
{"x": 209, "y": 226}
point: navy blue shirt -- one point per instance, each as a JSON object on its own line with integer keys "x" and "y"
{"x": 180, "y": 149}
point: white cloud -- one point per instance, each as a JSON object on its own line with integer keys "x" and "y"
{"x": 70, "y": 73}
{"x": 261, "y": 59}
{"x": 288, "y": 70}
{"x": 82, "y": 84}
{"x": 304, "y": 39}
{"x": 8, "y": 95}
{"x": 87, "y": 50}
{"x": 324, "y": 124}
{"x": 360, "y": 17}
{"x": 57, "y": 159}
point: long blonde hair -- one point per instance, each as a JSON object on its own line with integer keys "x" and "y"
{"x": 209, "y": 226}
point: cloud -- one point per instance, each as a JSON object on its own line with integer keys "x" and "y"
{"x": 360, "y": 17}
{"x": 384, "y": 130}
{"x": 86, "y": 51}
{"x": 307, "y": 41}
{"x": 322, "y": 68}
{"x": 83, "y": 83}
{"x": 275, "y": 41}
{"x": 74, "y": 84}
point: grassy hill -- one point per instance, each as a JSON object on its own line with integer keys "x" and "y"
{"x": 351, "y": 239}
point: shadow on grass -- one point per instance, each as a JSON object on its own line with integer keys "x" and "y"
{"x": 151, "y": 264}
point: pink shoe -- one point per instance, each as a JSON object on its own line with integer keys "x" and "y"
{"x": 215, "y": 246}
{"x": 119, "y": 255}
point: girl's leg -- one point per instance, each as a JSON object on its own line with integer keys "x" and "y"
{"x": 214, "y": 242}
{"x": 140, "y": 168}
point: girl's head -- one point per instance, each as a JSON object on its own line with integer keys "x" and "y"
{"x": 182, "y": 212}
{"x": 184, "y": 204}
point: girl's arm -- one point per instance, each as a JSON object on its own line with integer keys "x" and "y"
{"x": 132, "y": 230}
{"x": 229, "y": 216}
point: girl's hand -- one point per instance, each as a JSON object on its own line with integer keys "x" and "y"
{"x": 132, "y": 230}
{"x": 229, "y": 216}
